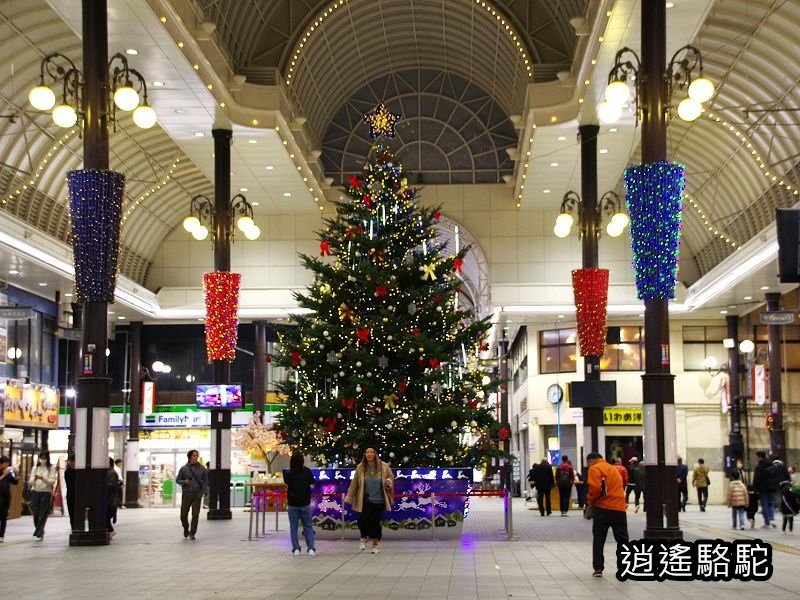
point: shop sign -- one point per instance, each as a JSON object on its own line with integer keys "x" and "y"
{"x": 622, "y": 416}
{"x": 29, "y": 405}
{"x": 188, "y": 419}
{"x": 16, "y": 313}
{"x": 776, "y": 317}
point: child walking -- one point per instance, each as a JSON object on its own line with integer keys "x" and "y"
{"x": 737, "y": 498}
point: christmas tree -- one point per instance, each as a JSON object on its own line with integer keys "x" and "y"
{"x": 385, "y": 357}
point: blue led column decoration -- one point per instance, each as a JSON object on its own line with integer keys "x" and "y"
{"x": 95, "y": 201}
{"x": 655, "y": 205}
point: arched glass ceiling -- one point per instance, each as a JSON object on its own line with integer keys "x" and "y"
{"x": 452, "y": 130}
{"x": 341, "y": 45}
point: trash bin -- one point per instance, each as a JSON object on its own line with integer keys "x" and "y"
{"x": 237, "y": 496}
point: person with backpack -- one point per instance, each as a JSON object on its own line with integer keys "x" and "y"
{"x": 789, "y": 506}
{"x": 737, "y": 498}
{"x": 762, "y": 486}
{"x": 565, "y": 476}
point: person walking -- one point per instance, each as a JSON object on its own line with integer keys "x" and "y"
{"x": 580, "y": 488}
{"x": 41, "y": 481}
{"x": 683, "y": 484}
{"x": 565, "y": 476}
{"x": 114, "y": 494}
{"x": 371, "y": 492}
{"x": 737, "y": 498}
{"x": 7, "y": 478}
{"x": 544, "y": 482}
{"x": 762, "y": 486}
{"x": 623, "y": 472}
{"x": 69, "y": 482}
{"x": 700, "y": 480}
{"x": 193, "y": 479}
{"x": 789, "y": 506}
{"x": 299, "y": 479}
{"x": 632, "y": 464}
{"x": 606, "y": 496}
{"x": 778, "y": 473}
{"x": 639, "y": 480}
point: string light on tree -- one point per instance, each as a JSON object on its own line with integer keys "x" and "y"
{"x": 379, "y": 360}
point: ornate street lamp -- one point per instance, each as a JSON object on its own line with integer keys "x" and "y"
{"x": 679, "y": 74}
{"x": 609, "y": 205}
{"x": 201, "y": 212}
{"x": 128, "y": 91}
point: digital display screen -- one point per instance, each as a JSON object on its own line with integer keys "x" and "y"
{"x": 214, "y": 395}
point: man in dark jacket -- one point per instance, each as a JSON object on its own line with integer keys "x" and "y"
{"x": 762, "y": 486}
{"x": 69, "y": 480}
{"x": 638, "y": 479}
{"x": 683, "y": 487}
{"x": 542, "y": 478}
{"x": 7, "y": 479}
{"x": 193, "y": 479}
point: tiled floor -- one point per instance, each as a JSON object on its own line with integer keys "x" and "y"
{"x": 551, "y": 559}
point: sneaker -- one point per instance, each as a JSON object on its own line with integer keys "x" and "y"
{"x": 765, "y": 526}
{"x": 742, "y": 527}
{"x": 375, "y": 548}
{"x": 773, "y": 525}
{"x": 597, "y": 573}
{"x": 296, "y": 552}
{"x": 192, "y": 536}
{"x": 186, "y": 533}
{"x": 311, "y": 552}
{"x": 362, "y": 545}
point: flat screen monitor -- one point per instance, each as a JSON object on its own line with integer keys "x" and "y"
{"x": 214, "y": 395}
{"x": 592, "y": 394}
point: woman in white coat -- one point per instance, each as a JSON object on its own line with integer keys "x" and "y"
{"x": 41, "y": 482}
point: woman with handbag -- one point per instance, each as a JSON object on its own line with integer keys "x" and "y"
{"x": 371, "y": 492}
{"x": 41, "y": 482}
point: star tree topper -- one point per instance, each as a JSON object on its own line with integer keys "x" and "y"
{"x": 381, "y": 122}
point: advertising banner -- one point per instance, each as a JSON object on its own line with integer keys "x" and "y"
{"x": 29, "y": 405}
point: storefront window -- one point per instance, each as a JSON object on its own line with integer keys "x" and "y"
{"x": 557, "y": 351}
{"x": 789, "y": 345}
{"x": 700, "y": 343}
{"x": 628, "y": 355}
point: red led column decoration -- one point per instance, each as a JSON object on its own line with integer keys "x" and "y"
{"x": 221, "y": 290}
{"x": 591, "y": 299}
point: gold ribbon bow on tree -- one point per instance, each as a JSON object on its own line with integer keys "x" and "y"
{"x": 346, "y": 313}
{"x": 389, "y": 401}
{"x": 429, "y": 271}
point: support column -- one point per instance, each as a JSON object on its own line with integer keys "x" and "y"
{"x": 220, "y": 474}
{"x": 593, "y": 430}
{"x": 658, "y": 399}
{"x": 132, "y": 454}
{"x": 94, "y": 385}
{"x": 505, "y": 444}
{"x": 259, "y": 367}
{"x": 735, "y": 440}
{"x": 777, "y": 437}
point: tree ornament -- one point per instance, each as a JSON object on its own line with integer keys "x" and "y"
{"x": 345, "y": 313}
{"x": 402, "y": 387}
{"x": 383, "y": 362}
{"x": 363, "y": 335}
{"x": 428, "y": 271}
{"x": 349, "y": 403}
{"x": 295, "y": 359}
{"x": 434, "y": 363}
{"x": 324, "y": 248}
{"x": 412, "y": 308}
{"x": 458, "y": 263}
{"x": 381, "y": 122}
{"x": 325, "y": 289}
{"x": 436, "y": 216}
{"x": 331, "y": 358}
{"x": 376, "y": 255}
{"x": 355, "y": 183}
{"x": 367, "y": 200}
{"x": 389, "y": 401}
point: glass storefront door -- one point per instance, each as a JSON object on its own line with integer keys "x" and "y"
{"x": 157, "y": 471}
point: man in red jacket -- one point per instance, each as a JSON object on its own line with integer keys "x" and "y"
{"x": 606, "y": 496}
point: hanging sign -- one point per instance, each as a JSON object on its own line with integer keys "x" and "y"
{"x": 724, "y": 397}
{"x": 760, "y": 384}
{"x": 148, "y": 397}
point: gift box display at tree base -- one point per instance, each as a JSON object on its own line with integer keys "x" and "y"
{"x": 424, "y": 498}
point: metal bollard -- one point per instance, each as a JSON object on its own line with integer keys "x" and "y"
{"x": 277, "y": 508}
